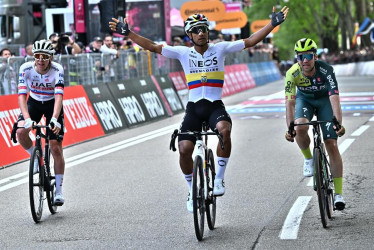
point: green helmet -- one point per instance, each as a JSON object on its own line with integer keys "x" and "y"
{"x": 305, "y": 44}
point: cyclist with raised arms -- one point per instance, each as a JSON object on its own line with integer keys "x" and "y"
{"x": 203, "y": 65}
{"x": 45, "y": 80}
{"x": 317, "y": 91}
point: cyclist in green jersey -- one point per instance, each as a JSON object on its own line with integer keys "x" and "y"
{"x": 317, "y": 92}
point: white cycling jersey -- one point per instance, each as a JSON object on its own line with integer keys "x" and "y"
{"x": 204, "y": 73}
{"x": 42, "y": 87}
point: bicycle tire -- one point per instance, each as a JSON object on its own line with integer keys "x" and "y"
{"x": 329, "y": 187}
{"x": 198, "y": 197}
{"x": 36, "y": 186}
{"x": 211, "y": 202}
{"x": 321, "y": 191}
{"x": 51, "y": 183}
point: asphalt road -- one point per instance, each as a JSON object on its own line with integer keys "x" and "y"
{"x": 126, "y": 191}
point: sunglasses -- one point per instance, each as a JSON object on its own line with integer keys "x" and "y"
{"x": 42, "y": 57}
{"x": 198, "y": 29}
{"x": 308, "y": 56}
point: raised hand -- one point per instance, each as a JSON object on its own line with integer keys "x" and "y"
{"x": 120, "y": 27}
{"x": 278, "y": 18}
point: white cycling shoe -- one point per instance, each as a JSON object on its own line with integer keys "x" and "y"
{"x": 59, "y": 199}
{"x": 339, "y": 202}
{"x": 308, "y": 167}
{"x": 219, "y": 187}
{"x": 190, "y": 202}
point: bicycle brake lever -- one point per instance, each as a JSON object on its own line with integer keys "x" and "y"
{"x": 172, "y": 141}
{"x": 219, "y": 135}
{"x": 336, "y": 123}
{"x": 291, "y": 128}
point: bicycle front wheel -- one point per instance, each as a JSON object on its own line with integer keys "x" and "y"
{"x": 50, "y": 183}
{"x": 211, "y": 201}
{"x": 36, "y": 185}
{"x": 320, "y": 183}
{"x": 198, "y": 197}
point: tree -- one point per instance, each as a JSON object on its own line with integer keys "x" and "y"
{"x": 327, "y": 22}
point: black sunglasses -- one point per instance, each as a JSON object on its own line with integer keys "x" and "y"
{"x": 198, "y": 29}
{"x": 308, "y": 56}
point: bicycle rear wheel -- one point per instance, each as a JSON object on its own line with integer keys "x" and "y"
{"x": 320, "y": 182}
{"x": 50, "y": 183}
{"x": 36, "y": 185}
{"x": 198, "y": 197}
{"x": 211, "y": 201}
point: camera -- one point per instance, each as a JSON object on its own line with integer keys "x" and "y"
{"x": 64, "y": 39}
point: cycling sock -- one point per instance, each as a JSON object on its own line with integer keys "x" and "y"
{"x": 30, "y": 150}
{"x": 188, "y": 178}
{"x": 307, "y": 154}
{"x": 338, "y": 183}
{"x": 221, "y": 167}
{"x": 59, "y": 180}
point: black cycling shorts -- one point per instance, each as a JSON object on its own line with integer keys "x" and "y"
{"x": 37, "y": 109}
{"x": 197, "y": 113}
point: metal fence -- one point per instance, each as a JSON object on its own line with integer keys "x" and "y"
{"x": 92, "y": 68}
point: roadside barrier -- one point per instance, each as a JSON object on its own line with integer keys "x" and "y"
{"x": 92, "y": 111}
{"x": 355, "y": 69}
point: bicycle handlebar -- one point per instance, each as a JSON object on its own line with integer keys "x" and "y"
{"x": 334, "y": 121}
{"x": 15, "y": 127}
{"x": 197, "y": 134}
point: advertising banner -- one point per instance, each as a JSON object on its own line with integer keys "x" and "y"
{"x": 170, "y": 93}
{"x": 106, "y": 108}
{"x": 81, "y": 123}
{"x": 179, "y": 81}
{"x": 139, "y": 100}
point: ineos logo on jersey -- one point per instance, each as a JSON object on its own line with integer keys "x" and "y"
{"x": 206, "y": 63}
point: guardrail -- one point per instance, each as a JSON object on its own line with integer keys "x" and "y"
{"x": 95, "y": 68}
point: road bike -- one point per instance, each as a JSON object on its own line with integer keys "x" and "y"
{"x": 322, "y": 179}
{"x": 203, "y": 178}
{"x": 41, "y": 177}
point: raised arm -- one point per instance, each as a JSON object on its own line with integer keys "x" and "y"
{"x": 276, "y": 19}
{"x": 123, "y": 29}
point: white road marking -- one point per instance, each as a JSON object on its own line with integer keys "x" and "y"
{"x": 371, "y": 119}
{"x": 78, "y": 159}
{"x": 360, "y": 130}
{"x": 291, "y": 225}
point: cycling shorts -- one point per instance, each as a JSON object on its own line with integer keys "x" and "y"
{"x": 37, "y": 109}
{"x": 305, "y": 109}
{"x": 200, "y": 111}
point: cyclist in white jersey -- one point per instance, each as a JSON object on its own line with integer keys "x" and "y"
{"x": 45, "y": 80}
{"x": 203, "y": 65}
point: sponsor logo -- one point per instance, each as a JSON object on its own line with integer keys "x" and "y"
{"x": 153, "y": 104}
{"x": 7, "y": 119}
{"x": 132, "y": 109}
{"x": 324, "y": 71}
{"x": 172, "y": 98}
{"x": 108, "y": 115}
{"x": 78, "y": 113}
{"x": 296, "y": 73}
{"x": 205, "y": 63}
{"x": 331, "y": 81}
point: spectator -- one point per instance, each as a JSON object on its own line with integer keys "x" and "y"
{"x": 107, "y": 47}
{"x": 28, "y": 50}
{"x": 96, "y": 44}
{"x": 177, "y": 41}
{"x": 7, "y": 74}
{"x": 66, "y": 46}
{"x": 52, "y": 37}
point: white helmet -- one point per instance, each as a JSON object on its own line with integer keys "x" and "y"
{"x": 43, "y": 46}
{"x": 195, "y": 20}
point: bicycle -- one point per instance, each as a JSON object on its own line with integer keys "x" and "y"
{"x": 322, "y": 179}
{"x": 41, "y": 179}
{"x": 204, "y": 173}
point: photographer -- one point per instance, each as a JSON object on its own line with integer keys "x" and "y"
{"x": 66, "y": 46}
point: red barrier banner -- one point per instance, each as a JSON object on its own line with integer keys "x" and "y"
{"x": 81, "y": 123}
{"x": 237, "y": 78}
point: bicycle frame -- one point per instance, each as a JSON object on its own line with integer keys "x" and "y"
{"x": 200, "y": 150}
